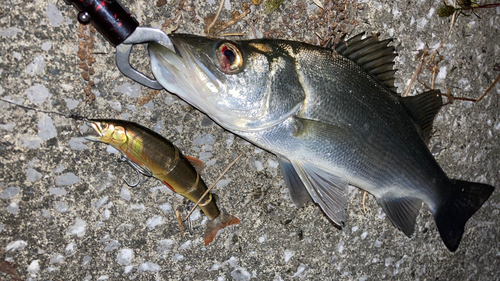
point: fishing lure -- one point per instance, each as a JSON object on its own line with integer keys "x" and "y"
{"x": 152, "y": 155}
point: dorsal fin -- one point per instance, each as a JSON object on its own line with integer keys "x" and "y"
{"x": 373, "y": 56}
{"x": 423, "y": 109}
{"x": 197, "y": 163}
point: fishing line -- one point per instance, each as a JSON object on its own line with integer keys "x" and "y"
{"x": 78, "y": 117}
{"x": 69, "y": 116}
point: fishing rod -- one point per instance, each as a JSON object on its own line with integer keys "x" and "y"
{"x": 122, "y": 30}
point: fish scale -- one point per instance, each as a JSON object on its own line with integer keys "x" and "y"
{"x": 394, "y": 131}
{"x": 347, "y": 94}
{"x": 331, "y": 118}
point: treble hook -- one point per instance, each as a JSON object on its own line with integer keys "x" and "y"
{"x": 190, "y": 221}
{"x": 138, "y": 169}
{"x": 133, "y": 184}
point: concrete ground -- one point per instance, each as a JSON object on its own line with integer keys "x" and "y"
{"x": 66, "y": 214}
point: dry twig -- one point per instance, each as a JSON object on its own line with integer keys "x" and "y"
{"x": 207, "y": 31}
{"x": 149, "y": 96}
{"x": 424, "y": 59}
{"x": 85, "y": 45}
{"x": 451, "y": 98}
{"x": 364, "y": 199}
{"x": 232, "y": 34}
{"x": 213, "y": 184}
{"x": 179, "y": 220}
{"x": 235, "y": 20}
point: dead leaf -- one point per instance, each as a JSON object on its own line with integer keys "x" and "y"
{"x": 9, "y": 269}
{"x": 160, "y": 3}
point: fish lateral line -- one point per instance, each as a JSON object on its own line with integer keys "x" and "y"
{"x": 73, "y": 116}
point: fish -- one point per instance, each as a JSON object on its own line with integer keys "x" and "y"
{"x": 333, "y": 118}
{"x": 153, "y": 155}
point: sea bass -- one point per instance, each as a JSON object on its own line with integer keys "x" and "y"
{"x": 331, "y": 116}
{"x": 153, "y": 155}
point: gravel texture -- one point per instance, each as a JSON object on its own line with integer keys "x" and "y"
{"x": 66, "y": 214}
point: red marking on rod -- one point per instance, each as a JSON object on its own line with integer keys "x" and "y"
{"x": 120, "y": 24}
{"x": 98, "y": 7}
{"x": 115, "y": 16}
{"x": 103, "y": 3}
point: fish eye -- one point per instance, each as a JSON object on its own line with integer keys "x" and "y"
{"x": 104, "y": 124}
{"x": 230, "y": 57}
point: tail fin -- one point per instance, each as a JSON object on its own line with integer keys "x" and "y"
{"x": 451, "y": 217}
{"x": 213, "y": 226}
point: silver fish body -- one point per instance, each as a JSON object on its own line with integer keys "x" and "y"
{"x": 333, "y": 119}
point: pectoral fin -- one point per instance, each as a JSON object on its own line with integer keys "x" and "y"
{"x": 329, "y": 191}
{"x": 401, "y": 211}
{"x": 296, "y": 188}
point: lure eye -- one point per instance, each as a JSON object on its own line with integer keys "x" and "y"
{"x": 230, "y": 58}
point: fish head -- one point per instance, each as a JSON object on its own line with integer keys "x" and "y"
{"x": 242, "y": 85}
{"x": 108, "y": 132}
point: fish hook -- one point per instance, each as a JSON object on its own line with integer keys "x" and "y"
{"x": 181, "y": 221}
{"x": 190, "y": 221}
{"x": 138, "y": 169}
{"x": 136, "y": 183}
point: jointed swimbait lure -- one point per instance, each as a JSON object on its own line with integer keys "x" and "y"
{"x": 153, "y": 155}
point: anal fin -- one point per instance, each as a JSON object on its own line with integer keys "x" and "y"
{"x": 401, "y": 211}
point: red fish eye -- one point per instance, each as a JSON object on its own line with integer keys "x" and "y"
{"x": 230, "y": 58}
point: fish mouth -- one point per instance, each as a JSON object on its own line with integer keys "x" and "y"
{"x": 97, "y": 128}
{"x": 190, "y": 69}
{"x": 182, "y": 73}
